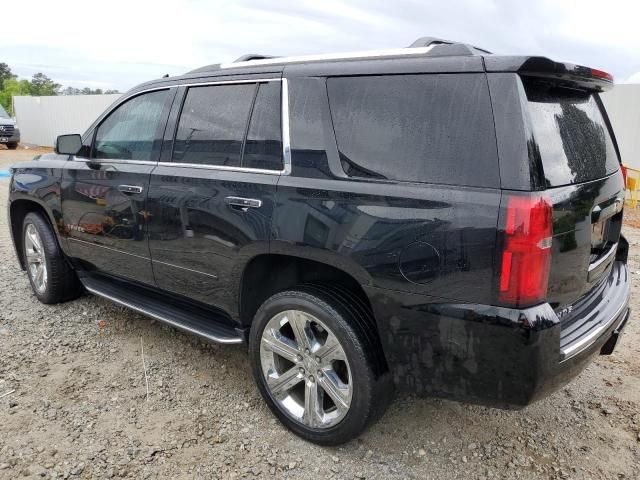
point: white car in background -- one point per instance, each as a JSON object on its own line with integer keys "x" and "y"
{"x": 9, "y": 132}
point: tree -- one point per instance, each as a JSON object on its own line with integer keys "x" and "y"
{"x": 11, "y": 88}
{"x": 86, "y": 91}
{"x": 5, "y": 74}
{"x": 41, "y": 85}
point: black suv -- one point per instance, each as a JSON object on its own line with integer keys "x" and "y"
{"x": 435, "y": 219}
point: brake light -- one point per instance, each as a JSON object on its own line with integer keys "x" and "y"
{"x": 623, "y": 169}
{"x": 526, "y": 258}
{"x": 600, "y": 74}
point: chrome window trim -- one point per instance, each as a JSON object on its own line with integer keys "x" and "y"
{"x": 389, "y": 52}
{"x": 286, "y": 141}
{"x": 117, "y": 161}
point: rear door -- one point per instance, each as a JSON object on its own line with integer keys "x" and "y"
{"x": 104, "y": 195}
{"x": 571, "y": 141}
{"x": 211, "y": 200}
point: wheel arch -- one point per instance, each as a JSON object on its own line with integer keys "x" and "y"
{"x": 18, "y": 210}
{"x": 269, "y": 273}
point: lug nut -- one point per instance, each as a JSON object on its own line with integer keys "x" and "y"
{"x": 311, "y": 379}
{"x": 306, "y": 350}
{"x": 320, "y": 374}
{"x": 301, "y": 370}
{"x": 299, "y": 358}
{"x": 318, "y": 359}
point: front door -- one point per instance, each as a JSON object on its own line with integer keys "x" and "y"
{"x": 104, "y": 195}
{"x": 211, "y": 206}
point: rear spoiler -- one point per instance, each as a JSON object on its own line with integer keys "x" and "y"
{"x": 569, "y": 74}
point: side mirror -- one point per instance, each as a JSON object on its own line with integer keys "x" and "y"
{"x": 68, "y": 144}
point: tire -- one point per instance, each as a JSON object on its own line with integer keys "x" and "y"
{"x": 329, "y": 315}
{"x": 12, "y": 146}
{"x": 60, "y": 280}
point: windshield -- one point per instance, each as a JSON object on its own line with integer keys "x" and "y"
{"x": 3, "y": 113}
{"x": 571, "y": 136}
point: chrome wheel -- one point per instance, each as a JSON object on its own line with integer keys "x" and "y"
{"x": 306, "y": 369}
{"x": 36, "y": 261}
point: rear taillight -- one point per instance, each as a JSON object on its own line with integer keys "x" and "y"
{"x": 623, "y": 169}
{"x": 526, "y": 258}
{"x": 600, "y": 74}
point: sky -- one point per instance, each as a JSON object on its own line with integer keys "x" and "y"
{"x": 117, "y": 44}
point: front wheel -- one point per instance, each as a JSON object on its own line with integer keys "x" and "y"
{"x": 317, "y": 367}
{"x": 51, "y": 277}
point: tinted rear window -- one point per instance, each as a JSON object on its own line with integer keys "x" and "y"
{"x": 416, "y": 128}
{"x": 569, "y": 135}
{"x": 212, "y": 125}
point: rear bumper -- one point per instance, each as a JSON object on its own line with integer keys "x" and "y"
{"x": 491, "y": 355}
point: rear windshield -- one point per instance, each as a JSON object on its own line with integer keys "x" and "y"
{"x": 570, "y": 135}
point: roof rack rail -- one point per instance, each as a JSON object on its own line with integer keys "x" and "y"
{"x": 435, "y": 41}
{"x": 427, "y": 41}
{"x": 422, "y": 46}
{"x": 253, "y": 56}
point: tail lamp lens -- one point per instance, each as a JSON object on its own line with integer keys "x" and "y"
{"x": 526, "y": 258}
{"x": 603, "y": 75}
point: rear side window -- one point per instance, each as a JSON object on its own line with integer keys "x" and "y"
{"x": 212, "y": 124}
{"x": 570, "y": 135}
{"x": 416, "y": 128}
{"x": 263, "y": 148}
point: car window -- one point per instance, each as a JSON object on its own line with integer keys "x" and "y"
{"x": 417, "y": 128}
{"x": 212, "y": 124}
{"x": 263, "y": 147}
{"x": 3, "y": 113}
{"x": 570, "y": 135}
{"x": 133, "y": 130}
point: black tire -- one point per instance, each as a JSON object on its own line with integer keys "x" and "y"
{"x": 62, "y": 282}
{"x": 351, "y": 323}
{"x": 12, "y": 146}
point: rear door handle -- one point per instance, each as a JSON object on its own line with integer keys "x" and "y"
{"x": 243, "y": 203}
{"x": 130, "y": 188}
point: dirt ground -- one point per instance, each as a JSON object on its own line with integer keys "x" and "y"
{"x": 79, "y": 406}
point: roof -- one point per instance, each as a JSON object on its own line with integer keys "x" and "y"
{"x": 444, "y": 56}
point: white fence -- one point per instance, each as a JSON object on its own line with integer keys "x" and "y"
{"x": 42, "y": 119}
{"x": 623, "y": 105}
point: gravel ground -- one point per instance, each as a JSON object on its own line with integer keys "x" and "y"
{"x": 81, "y": 409}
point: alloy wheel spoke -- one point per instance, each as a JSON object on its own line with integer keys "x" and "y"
{"x": 39, "y": 280}
{"x": 280, "y": 345}
{"x": 338, "y": 393}
{"x": 330, "y": 350}
{"x": 312, "y": 416}
{"x": 34, "y": 257}
{"x": 298, "y": 322}
{"x": 35, "y": 241}
{"x": 285, "y": 382}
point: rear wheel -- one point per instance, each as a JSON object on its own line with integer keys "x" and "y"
{"x": 52, "y": 278}
{"x": 12, "y": 146}
{"x": 316, "y": 367}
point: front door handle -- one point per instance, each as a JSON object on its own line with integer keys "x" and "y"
{"x": 243, "y": 204}
{"x": 128, "y": 189}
